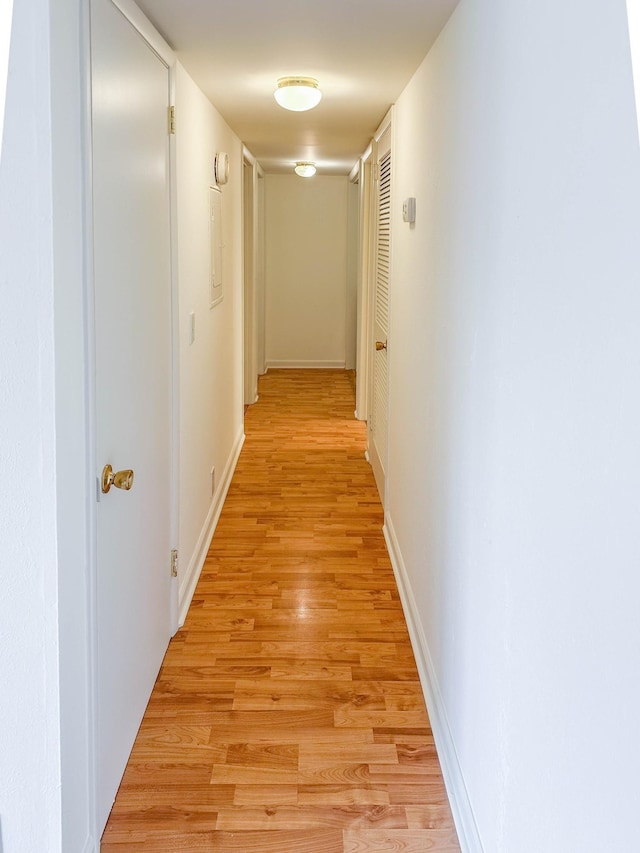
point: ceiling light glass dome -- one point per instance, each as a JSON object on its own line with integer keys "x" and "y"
{"x": 305, "y": 170}
{"x": 298, "y": 93}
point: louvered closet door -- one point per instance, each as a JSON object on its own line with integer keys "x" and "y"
{"x": 379, "y": 414}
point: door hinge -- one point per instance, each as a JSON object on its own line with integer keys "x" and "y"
{"x": 174, "y": 564}
{"x": 172, "y": 119}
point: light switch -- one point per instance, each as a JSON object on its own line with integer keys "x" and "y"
{"x": 409, "y": 210}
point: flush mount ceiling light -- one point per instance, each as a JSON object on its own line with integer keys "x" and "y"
{"x": 305, "y": 170}
{"x": 298, "y": 93}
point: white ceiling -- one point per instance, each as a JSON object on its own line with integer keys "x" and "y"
{"x": 363, "y": 53}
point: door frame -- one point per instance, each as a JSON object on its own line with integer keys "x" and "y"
{"x": 252, "y": 275}
{"x": 386, "y": 126}
{"x": 147, "y": 32}
{"x": 353, "y": 292}
{"x": 365, "y": 246}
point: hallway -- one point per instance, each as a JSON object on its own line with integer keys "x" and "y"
{"x": 288, "y": 713}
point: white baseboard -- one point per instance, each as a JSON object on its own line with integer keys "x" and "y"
{"x": 306, "y": 365}
{"x": 192, "y": 575}
{"x": 463, "y": 816}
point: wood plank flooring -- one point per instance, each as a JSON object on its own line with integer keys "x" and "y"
{"x": 288, "y": 715}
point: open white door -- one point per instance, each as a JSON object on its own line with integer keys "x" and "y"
{"x": 6, "y": 14}
{"x": 249, "y": 297}
{"x": 132, "y": 272}
{"x": 253, "y": 291}
{"x": 633, "y": 14}
{"x": 378, "y": 412}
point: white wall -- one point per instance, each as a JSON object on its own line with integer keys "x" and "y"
{"x": 29, "y": 691}
{"x": 74, "y": 484}
{"x": 211, "y": 415}
{"x": 306, "y": 270}
{"x": 514, "y": 458}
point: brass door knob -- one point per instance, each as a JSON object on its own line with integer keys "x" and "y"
{"x": 119, "y": 479}
{"x": 380, "y": 345}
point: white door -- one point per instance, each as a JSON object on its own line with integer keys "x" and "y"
{"x": 248, "y": 200}
{"x": 377, "y": 423}
{"x": 131, "y": 222}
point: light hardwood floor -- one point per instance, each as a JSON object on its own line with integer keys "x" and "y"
{"x": 288, "y": 715}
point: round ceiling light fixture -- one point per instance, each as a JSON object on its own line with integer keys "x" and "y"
{"x": 298, "y": 93}
{"x": 305, "y": 170}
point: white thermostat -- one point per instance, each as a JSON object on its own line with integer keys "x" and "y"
{"x": 409, "y": 210}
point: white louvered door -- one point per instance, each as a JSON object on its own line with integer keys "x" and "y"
{"x": 379, "y": 415}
